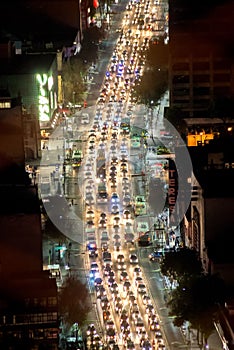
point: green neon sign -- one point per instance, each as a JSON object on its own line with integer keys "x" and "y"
{"x": 45, "y": 85}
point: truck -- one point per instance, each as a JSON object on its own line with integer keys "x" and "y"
{"x": 101, "y": 165}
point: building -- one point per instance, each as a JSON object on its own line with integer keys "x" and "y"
{"x": 28, "y": 296}
{"x": 209, "y": 221}
{"x": 201, "y": 42}
{"x": 17, "y": 125}
{"x": 210, "y": 218}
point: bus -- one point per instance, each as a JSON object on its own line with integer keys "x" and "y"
{"x": 140, "y": 207}
{"x": 135, "y": 141}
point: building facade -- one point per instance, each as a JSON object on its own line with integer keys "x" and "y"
{"x": 201, "y": 45}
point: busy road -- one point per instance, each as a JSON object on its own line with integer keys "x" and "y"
{"x": 106, "y": 167}
{"x": 118, "y": 270}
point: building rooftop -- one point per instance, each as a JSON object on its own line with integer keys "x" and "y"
{"x": 18, "y": 199}
{"x": 39, "y": 21}
{"x": 26, "y": 64}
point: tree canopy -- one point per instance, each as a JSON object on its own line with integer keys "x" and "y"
{"x": 74, "y": 303}
{"x": 197, "y": 300}
{"x": 198, "y": 296}
{"x": 73, "y": 79}
{"x": 151, "y": 86}
{"x": 154, "y": 82}
{"x": 181, "y": 263}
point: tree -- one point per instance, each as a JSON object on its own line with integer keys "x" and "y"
{"x": 74, "y": 304}
{"x": 181, "y": 263}
{"x": 157, "y": 55}
{"x": 73, "y": 75}
{"x": 151, "y": 87}
{"x": 89, "y": 50}
{"x": 197, "y": 300}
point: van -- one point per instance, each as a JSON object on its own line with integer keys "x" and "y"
{"x": 85, "y": 118}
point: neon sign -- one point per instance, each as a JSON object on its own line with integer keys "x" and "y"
{"x": 45, "y": 84}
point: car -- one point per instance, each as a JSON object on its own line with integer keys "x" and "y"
{"x": 110, "y": 334}
{"x": 114, "y": 160}
{"x": 124, "y": 276}
{"x": 139, "y": 324}
{"x": 104, "y": 236}
{"x": 150, "y": 309}
{"x": 90, "y": 214}
{"x": 98, "y": 282}
{"x": 120, "y": 258}
{"x": 126, "y": 286}
{"x": 141, "y": 288}
{"x": 114, "y": 288}
{"x": 154, "y": 326}
{"x": 135, "y": 312}
{"x": 89, "y": 199}
{"x": 101, "y": 292}
{"x": 114, "y": 197}
{"x": 138, "y": 280}
{"x": 126, "y": 200}
{"x": 104, "y": 302}
{"x": 155, "y": 255}
{"x": 107, "y": 261}
{"x": 115, "y": 209}
{"x": 93, "y": 274}
{"x": 133, "y": 259}
{"x": 146, "y": 300}
{"x": 103, "y": 216}
{"x": 94, "y": 266}
{"x": 121, "y": 265}
{"x": 91, "y": 330}
{"x": 127, "y": 214}
{"x": 102, "y": 223}
{"x": 116, "y": 220}
{"x": 146, "y": 345}
{"x": 137, "y": 271}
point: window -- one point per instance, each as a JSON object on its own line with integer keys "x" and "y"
{"x": 201, "y": 78}
{"x": 5, "y": 104}
{"x": 35, "y": 301}
{"x": 52, "y": 316}
{"x": 221, "y": 77}
{"x": 181, "y": 79}
{"x": 201, "y": 91}
{"x": 43, "y": 301}
{"x": 201, "y": 65}
{"x": 180, "y": 66}
{"x": 52, "y": 301}
{"x": 221, "y": 65}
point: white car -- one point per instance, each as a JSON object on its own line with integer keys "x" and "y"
{"x": 85, "y": 118}
{"x": 133, "y": 259}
